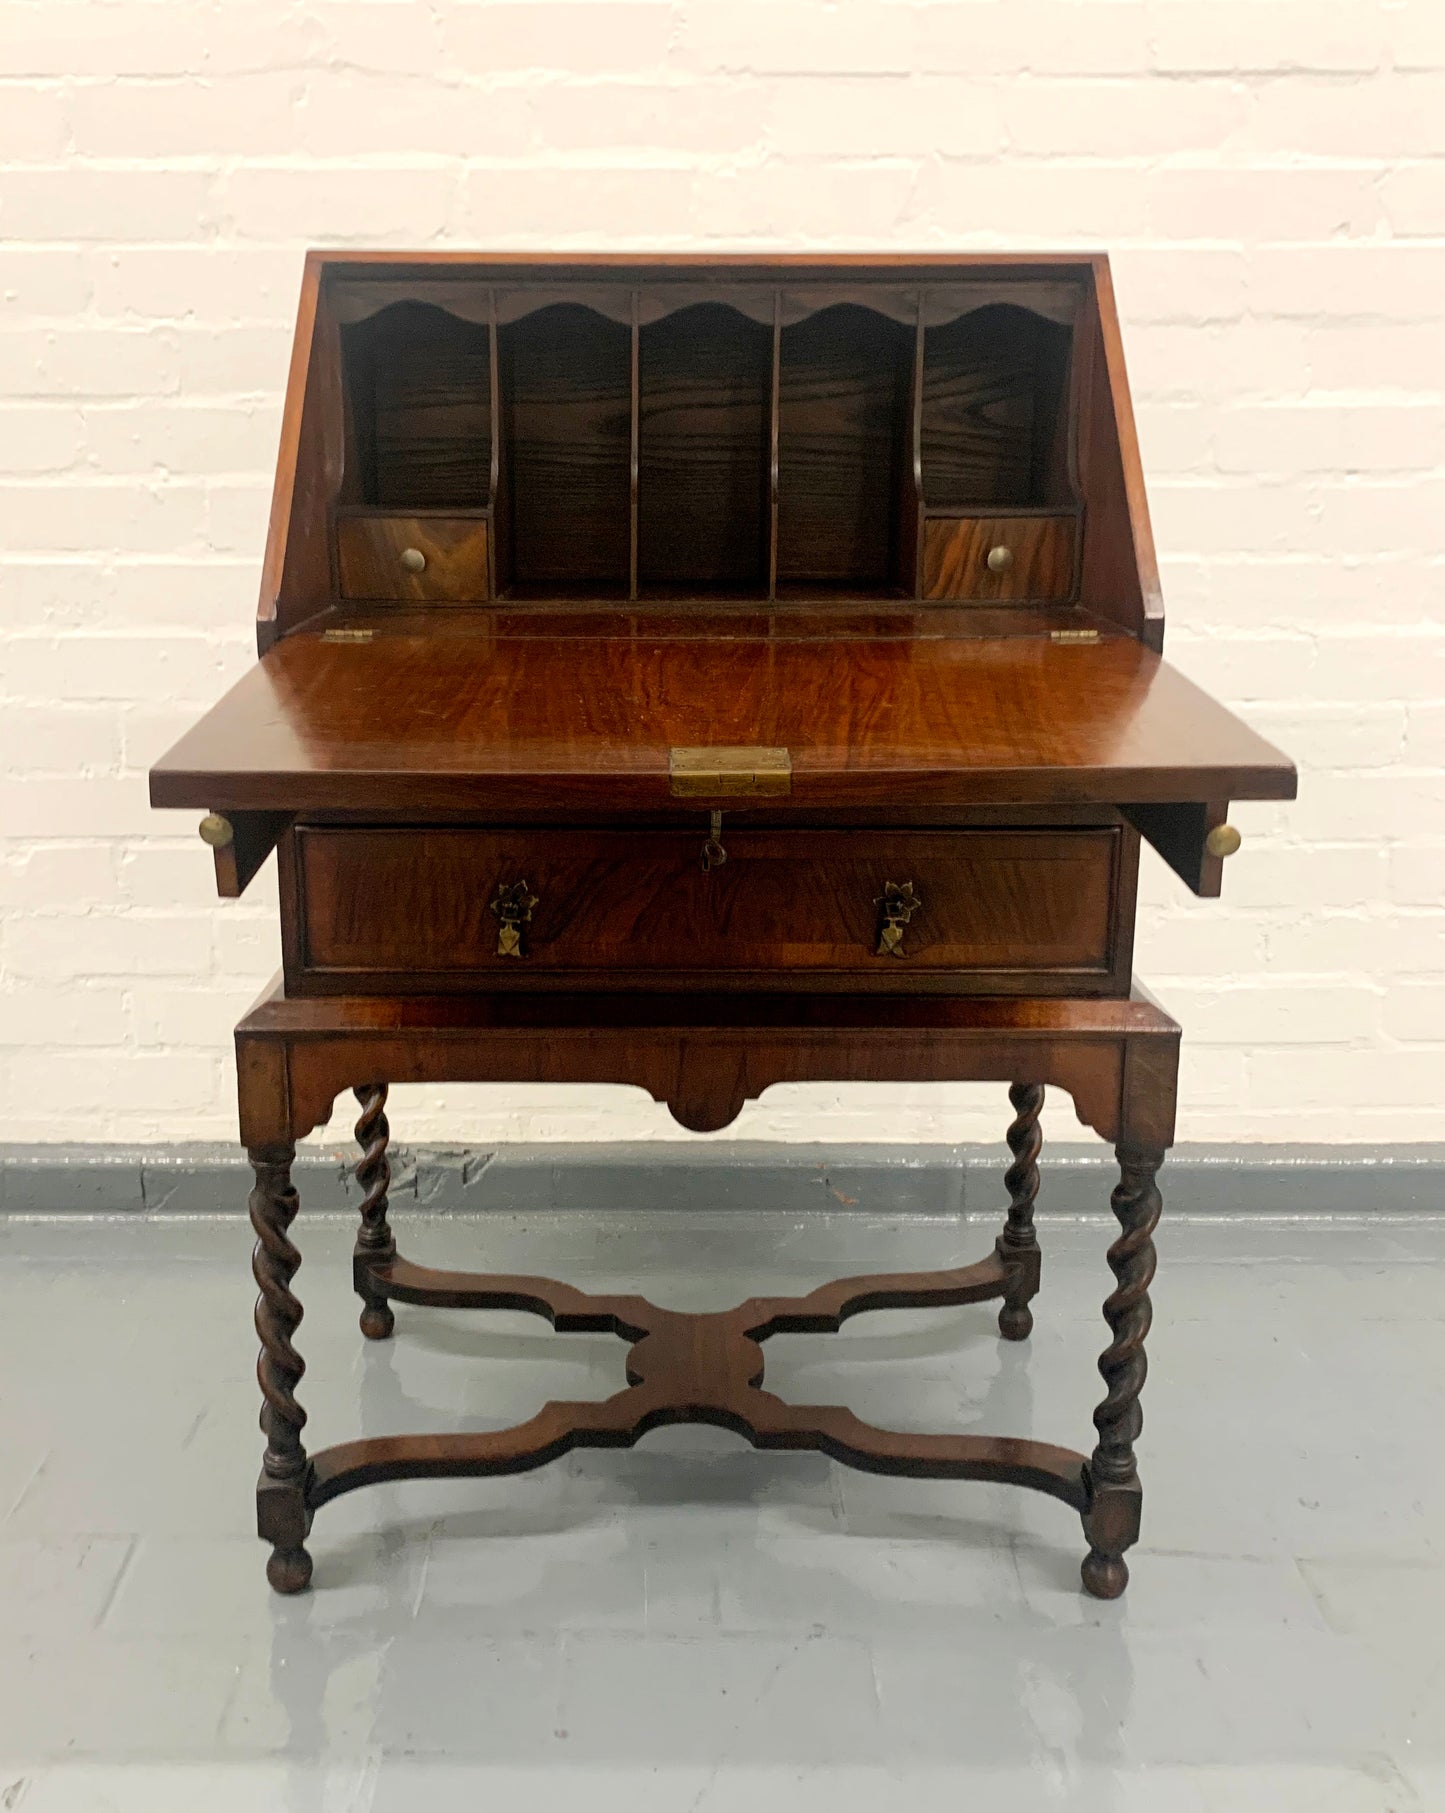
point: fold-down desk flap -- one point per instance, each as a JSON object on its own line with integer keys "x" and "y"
{"x": 472, "y": 722}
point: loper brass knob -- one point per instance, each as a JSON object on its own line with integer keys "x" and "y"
{"x": 1223, "y": 840}
{"x": 216, "y": 831}
{"x": 413, "y": 560}
{"x": 1000, "y": 559}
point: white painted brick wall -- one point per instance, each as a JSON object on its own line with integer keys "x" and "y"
{"x": 1270, "y": 177}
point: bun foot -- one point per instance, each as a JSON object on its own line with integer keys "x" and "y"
{"x": 1105, "y": 1576}
{"x": 289, "y": 1570}
{"x": 1015, "y": 1321}
{"x": 377, "y": 1321}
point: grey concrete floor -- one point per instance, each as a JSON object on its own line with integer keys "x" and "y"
{"x": 694, "y": 1628}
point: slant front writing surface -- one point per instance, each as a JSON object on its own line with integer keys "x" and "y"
{"x": 531, "y": 719}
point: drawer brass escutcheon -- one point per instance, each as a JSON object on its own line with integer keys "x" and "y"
{"x": 717, "y": 772}
{"x": 513, "y": 906}
{"x": 1080, "y": 636}
{"x": 897, "y": 905}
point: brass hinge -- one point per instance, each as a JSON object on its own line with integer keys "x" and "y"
{"x": 1073, "y": 635}
{"x": 732, "y": 773}
{"x": 347, "y": 635}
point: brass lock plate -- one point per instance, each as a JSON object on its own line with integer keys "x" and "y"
{"x": 512, "y": 903}
{"x": 896, "y": 906}
{"x": 747, "y": 771}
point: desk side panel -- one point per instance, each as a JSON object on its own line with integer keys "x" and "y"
{"x": 297, "y": 576}
{"x": 1119, "y": 574}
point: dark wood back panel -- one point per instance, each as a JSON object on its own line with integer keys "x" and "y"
{"x": 993, "y": 410}
{"x": 843, "y": 396}
{"x": 566, "y": 377}
{"x": 419, "y": 392}
{"x": 705, "y": 382}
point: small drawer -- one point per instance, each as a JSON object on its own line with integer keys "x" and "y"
{"x": 993, "y": 559}
{"x": 413, "y": 559}
{"x": 971, "y": 912}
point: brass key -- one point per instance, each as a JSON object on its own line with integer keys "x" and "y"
{"x": 713, "y": 853}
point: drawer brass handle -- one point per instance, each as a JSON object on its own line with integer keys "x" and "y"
{"x": 413, "y": 560}
{"x": 896, "y": 905}
{"x": 1223, "y": 840}
{"x": 1000, "y": 559}
{"x": 513, "y": 907}
{"x": 216, "y": 830}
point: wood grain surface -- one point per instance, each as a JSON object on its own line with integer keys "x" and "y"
{"x": 566, "y": 377}
{"x": 419, "y": 382}
{"x": 706, "y": 1053}
{"x": 705, "y": 378}
{"x": 1040, "y": 549}
{"x": 702, "y": 1368}
{"x": 411, "y": 722}
{"x": 541, "y": 418}
{"x": 993, "y": 398}
{"x": 1001, "y": 910}
{"x": 843, "y": 387}
{"x": 369, "y": 551}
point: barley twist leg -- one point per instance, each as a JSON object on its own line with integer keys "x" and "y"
{"x": 1112, "y": 1520}
{"x": 374, "y": 1238}
{"x": 1018, "y": 1244}
{"x": 281, "y": 1514}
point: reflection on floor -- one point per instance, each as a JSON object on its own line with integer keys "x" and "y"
{"x": 692, "y": 1626}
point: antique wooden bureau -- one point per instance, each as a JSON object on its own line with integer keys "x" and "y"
{"x": 700, "y": 674}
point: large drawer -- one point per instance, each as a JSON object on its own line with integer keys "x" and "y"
{"x": 999, "y": 911}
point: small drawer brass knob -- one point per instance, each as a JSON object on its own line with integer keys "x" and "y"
{"x": 413, "y": 560}
{"x": 1223, "y": 840}
{"x": 216, "y": 831}
{"x": 1000, "y": 559}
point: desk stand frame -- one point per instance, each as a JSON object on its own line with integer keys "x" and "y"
{"x": 1118, "y": 1059}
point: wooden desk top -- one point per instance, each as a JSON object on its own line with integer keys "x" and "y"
{"x": 575, "y": 710}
